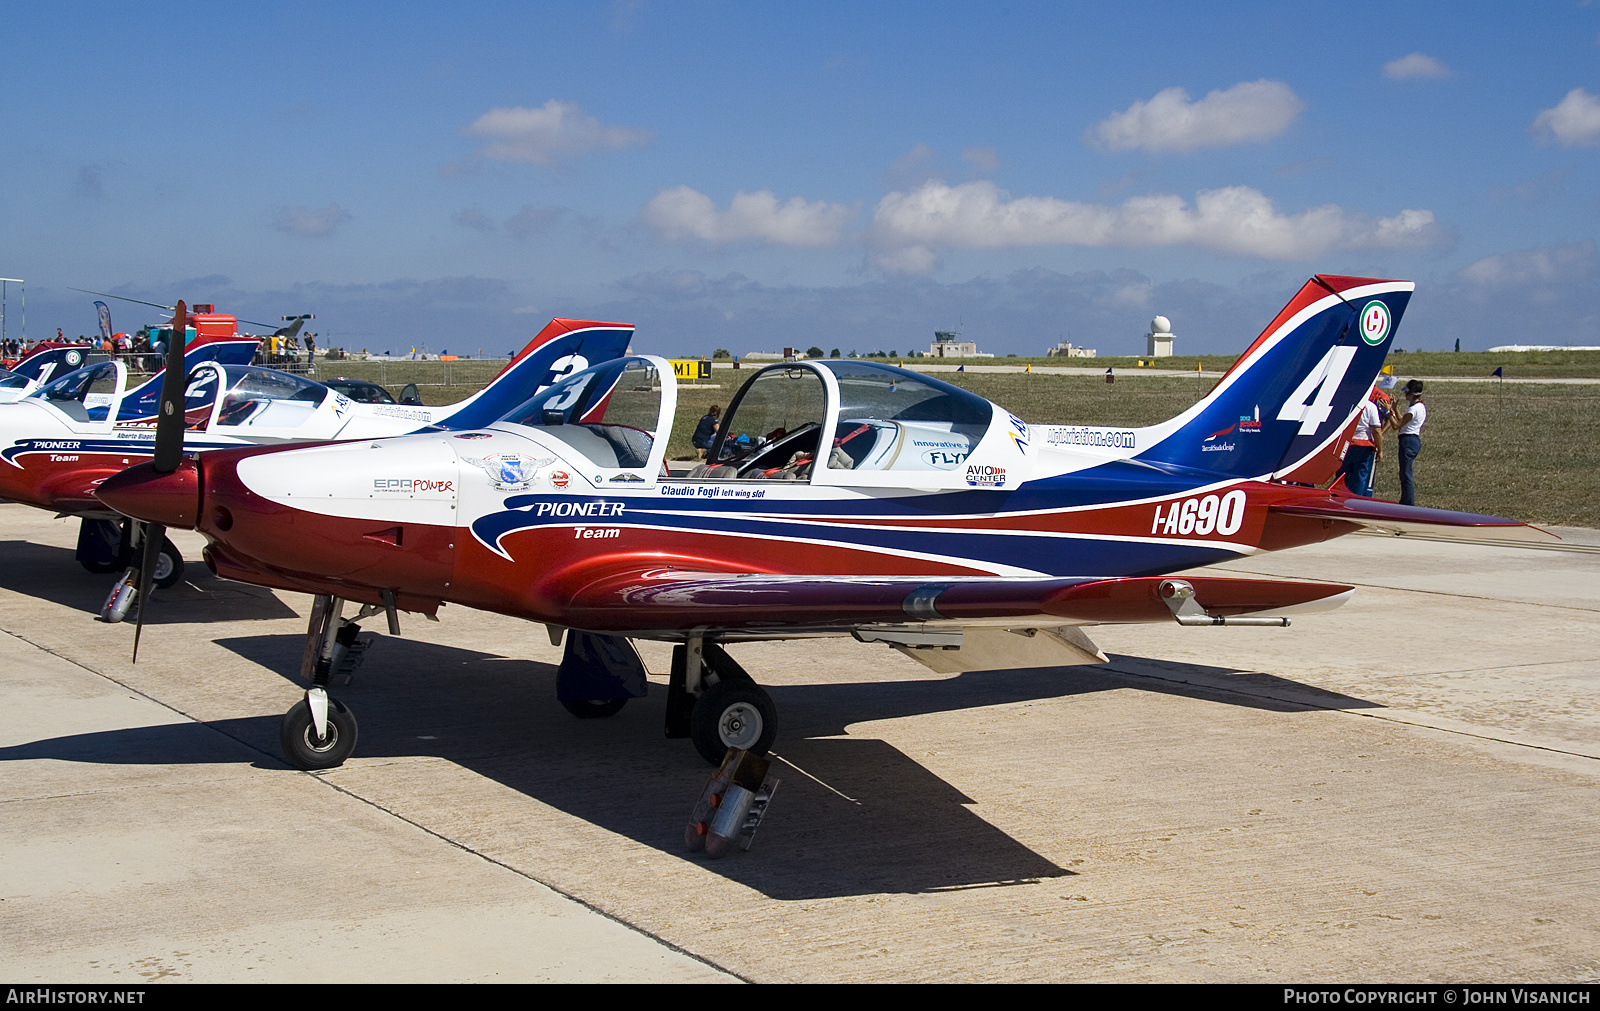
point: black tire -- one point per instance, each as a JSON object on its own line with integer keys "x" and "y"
{"x": 733, "y": 713}
{"x": 169, "y": 566}
{"x": 298, "y": 738}
{"x": 593, "y": 709}
{"x": 102, "y": 568}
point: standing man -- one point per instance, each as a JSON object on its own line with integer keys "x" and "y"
{"x": 1366, "y": 447}
{"x": 311, "y": 348}
{"x": 1410, "y": 422}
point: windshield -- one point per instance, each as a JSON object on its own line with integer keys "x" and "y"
{"x": 264, "y": 397}
{"x": 11, "y": 381}
{"x": 85, "y": 394}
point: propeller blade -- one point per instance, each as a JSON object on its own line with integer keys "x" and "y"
{"x": 154, "y": 534}
{"x": 170, "y": 417}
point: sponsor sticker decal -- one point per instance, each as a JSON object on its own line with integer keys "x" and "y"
{"x": 943, "y": 459}
{"x": 560, "y": 479}
{"x": 1374, "y": 322}
{"x": 510, "y": 471}
{"x": 982, "y": 475}
{"x": 1069, "y": 435}
{"x": 411, "y": 485}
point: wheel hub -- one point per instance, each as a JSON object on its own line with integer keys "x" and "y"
{"x": 321, "y": 745}
{"x": 740, "y": 725}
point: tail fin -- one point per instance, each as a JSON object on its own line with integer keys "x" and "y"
{"x": 141, "y": 404}
{"x": 1281, "y": 409}
{"x": 563, "y": 347}
{"x": 45, "y": 364}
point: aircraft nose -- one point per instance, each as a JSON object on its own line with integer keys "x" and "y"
{"x": 172, "y": 499}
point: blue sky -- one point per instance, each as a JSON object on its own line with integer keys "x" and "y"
{"x": 754, "y": 175}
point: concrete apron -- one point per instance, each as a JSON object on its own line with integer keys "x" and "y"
{"x": 1404, "y": 789}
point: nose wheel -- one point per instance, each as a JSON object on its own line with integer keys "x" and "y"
{"x": 308, "y": 747}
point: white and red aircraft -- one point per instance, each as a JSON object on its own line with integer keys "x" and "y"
{"x": 841, "y": 497}
{"x": 73, "y": 432}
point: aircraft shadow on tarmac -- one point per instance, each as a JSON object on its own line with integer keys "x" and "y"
{"x": 882, "y": 823}
{"x": 45, "y": 572}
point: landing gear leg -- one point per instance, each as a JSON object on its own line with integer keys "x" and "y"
{"x": 319, "y": 732}
{"x": 712, "y": 701}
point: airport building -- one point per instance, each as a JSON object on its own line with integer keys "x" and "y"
{"x": 1158, "y": 342}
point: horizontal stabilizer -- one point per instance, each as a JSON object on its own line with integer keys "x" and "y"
{"x": 1391, "y": 517}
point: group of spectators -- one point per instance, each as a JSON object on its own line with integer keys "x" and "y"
{"x": 276, "y": 350}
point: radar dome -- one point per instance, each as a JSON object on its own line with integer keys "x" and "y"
{"x": 1161, "y": 325}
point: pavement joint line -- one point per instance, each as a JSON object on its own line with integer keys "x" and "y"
{"x": 1353, "y": 712}
{"x": 321, "y": 777}
{"x": 395, "y": 814}
{"x": 1506, "y": 666}
{"x": 1493, "y": 542}
{"x": 1434, "y": 593}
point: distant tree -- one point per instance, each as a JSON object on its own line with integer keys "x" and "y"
{"x": 894, "y": 354}
{"x": 852, "y": 354}
{"x": 1458, "y": 343}
{"x": 815, "y": 352}
{"x": 834, "y": 353}
{"x": 721, "y": 353}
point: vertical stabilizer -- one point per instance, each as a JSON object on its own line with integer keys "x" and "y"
{"x": 1292, "y": 394}
{"x": 563, "y": 347}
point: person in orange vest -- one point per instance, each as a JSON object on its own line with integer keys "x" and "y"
{"x": 1366, "y": 448}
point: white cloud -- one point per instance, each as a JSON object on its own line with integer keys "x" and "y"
{"x": 684, "y": 213}
{"x": 553, "y": 134}
{"x": 1235, "y": 219}
{"x": 1249, "y": 111}
{"x": 1575, "y": 122}
{"x": 1415, "y": 65}
{"x": 1563, "y": 262}
{"x": 308, "y": 222}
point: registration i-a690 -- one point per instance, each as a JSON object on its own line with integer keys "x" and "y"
{"x": 1222, "y": 514}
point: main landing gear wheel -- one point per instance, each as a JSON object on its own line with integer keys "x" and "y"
{"x": 169, "y": 566}
{"x": 101, "y": 568}
{"x": 593, "y": 709}
{"x": 733, "y": 713}
{"x": 297, "y": 736}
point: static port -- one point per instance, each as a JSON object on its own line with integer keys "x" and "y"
{"x": 222, "y": 519}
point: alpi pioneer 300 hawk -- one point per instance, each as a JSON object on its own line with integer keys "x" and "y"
{"x": 841, "y": 497}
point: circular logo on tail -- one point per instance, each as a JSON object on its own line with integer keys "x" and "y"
{"x": 1374, "y": 322}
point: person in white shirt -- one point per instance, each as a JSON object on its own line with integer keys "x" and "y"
{"x": 1366, "y": 445}
{"x": 1410, "y": 422}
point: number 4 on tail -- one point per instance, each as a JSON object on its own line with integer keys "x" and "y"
{"x": 1312, "y": 401}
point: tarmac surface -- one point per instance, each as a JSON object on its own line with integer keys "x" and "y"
{"x": 1401, "y": 790}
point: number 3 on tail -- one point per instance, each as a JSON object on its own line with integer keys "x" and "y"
{"x": 1312, "y": 401}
